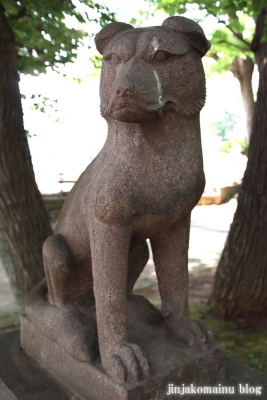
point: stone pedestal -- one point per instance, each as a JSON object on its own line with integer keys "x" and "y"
{"x": 64, "y": 341}
{"x": 22, "y": 378}
{"x": 169, "y": 362}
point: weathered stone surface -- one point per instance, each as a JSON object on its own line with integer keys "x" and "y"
{"x": 169, "y": 360}
{"x": 143, "y": 184}
{"x": 22, "y": 378}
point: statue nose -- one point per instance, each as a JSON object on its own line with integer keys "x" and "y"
{"x": 125, "y": 90}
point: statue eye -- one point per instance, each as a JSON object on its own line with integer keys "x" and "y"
{"x": 113, "y": 58}
{"x": 160, "y": 56}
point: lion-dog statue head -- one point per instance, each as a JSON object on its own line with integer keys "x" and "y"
{"x": 150, "y": 70}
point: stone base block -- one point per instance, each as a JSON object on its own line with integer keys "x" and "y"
{"x": 169, "y": 362}
{"x": 22, "y": 378}
{"x": 64, "y": 341}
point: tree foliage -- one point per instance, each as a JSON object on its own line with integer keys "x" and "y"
{"x": 235, "y": 30}
{"x": 225, "y": 125}
{"x": 43, "y": 32}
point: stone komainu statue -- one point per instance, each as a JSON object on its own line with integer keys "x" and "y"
{"x": 142, "y": 185}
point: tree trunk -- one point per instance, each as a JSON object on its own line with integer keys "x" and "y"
{"x": 240, "y": 289}
{"x": 242, "y": 69}
{"x": 24, "y": 223}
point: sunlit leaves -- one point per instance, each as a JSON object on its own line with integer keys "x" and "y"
{"x": 235, "y": 25}
{"x": 43, "y": 32}
{"x": 97, "y": 61}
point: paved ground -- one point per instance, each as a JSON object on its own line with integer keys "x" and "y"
{"x": 209, "y": 228}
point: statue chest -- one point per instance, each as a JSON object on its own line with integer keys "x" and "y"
{"x": 147, "y": 192}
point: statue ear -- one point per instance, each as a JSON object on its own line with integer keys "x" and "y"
{"x": 106, "y": 33}
{"x": 191, "y": 30}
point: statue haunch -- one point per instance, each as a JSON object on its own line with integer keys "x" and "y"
{"x": 143, "y": 184}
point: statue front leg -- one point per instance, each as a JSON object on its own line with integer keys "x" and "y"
{"x": 170, "y": 253}
{"x": 110, "y": 247}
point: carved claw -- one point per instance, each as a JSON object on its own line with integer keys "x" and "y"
{"x": 194, "y": 333}
{"x": 127, "y": 363}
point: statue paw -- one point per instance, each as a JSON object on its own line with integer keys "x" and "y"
{"x": 127, "y": 363}
{"x": 195, "y": 334}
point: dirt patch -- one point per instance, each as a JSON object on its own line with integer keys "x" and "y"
{"x": 200, "y": 287}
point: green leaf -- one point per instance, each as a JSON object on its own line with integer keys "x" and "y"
{"x": 235, "y": 25}
{"x": 43, "y": 35}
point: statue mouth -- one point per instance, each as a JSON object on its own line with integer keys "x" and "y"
{"x": 135, "y": 103}
{"x": 168, "y": 106}
{"x": 134, "y": 109}
{"x": 126, "y": 113}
